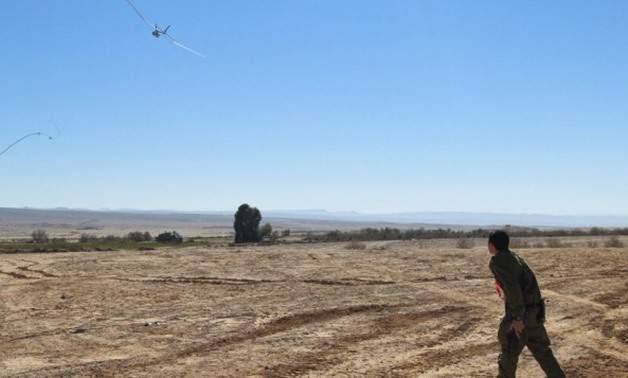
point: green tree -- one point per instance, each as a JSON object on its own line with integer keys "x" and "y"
{"x": 266, "y": 230}
{"x": 137, "y": 236}
{"x": 40, "y": 236}
{"x": 274, "y": 237}
{"x": 246, "y": 224}
{"x": 169, "y": 237}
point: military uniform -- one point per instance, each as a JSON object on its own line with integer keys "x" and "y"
{"x": 523, "y": 302}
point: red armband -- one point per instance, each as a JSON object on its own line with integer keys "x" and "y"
{"x": 498, "y": 289}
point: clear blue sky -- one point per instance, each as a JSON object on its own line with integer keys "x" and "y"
{"x": 371, "y": 106}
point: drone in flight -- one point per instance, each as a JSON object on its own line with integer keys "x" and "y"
{"x": 158, "y": 32}
{"x": 37, "y": 133}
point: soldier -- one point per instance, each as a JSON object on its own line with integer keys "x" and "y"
{"x": 522, "y": 324}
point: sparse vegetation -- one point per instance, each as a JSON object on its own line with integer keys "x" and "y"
{"x": 464, "y": 243}
{"x": 374, "y": 234}
{"x": 553, "y": 243}
{"x": 39, "y": 240}
{"x": 519, "y": 243}
{"x": 169, "y": 237}
{"x": 87, "y": 242}
{"x": 356, "y": 245}
{"x": 274, "y": 237}
{"x": 88, "y": 238}
{"x": 67, "y": 246}
{"x": 266, "y": 232}
{"x": 40, "y": 236}
{"x": 138, "y": 236}
{"x": 341, "y": 296}
{"x": 614, "y": 242}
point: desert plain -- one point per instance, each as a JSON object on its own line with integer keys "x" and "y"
{"x": 387, "y": 309}
{"x": 391, "y": 309}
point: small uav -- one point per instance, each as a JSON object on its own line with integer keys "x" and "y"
{"x": 158, "y": 32}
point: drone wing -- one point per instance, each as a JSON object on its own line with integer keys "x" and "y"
{"x": 181, "y": 46}
{"x": 141, "y": 16}
{"x": 21, "y": 139}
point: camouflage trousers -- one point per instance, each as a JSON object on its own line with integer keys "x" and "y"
{"x": 534, "y": 336}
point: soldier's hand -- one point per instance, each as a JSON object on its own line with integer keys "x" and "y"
{"x": 517, "y": 326}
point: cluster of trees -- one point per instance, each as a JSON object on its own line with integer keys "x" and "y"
{"x": 247, "y": 230}
{"x": 41, "y": 237}
{"x": 246, "y": 226}
{"x": 135, "y": 236}
{"x": 594, "y": 231}
{"x": 169, "y": 237}
{"x": 372, "y": 234}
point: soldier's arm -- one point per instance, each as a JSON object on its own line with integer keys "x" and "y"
{"x": 507, "y": 277}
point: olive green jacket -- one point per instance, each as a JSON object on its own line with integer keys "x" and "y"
{"x": 517, "y": 281}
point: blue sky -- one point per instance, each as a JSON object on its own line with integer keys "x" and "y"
{"x": 370, "y": 106}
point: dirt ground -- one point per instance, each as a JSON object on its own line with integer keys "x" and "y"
{"x": 394, "y": 309}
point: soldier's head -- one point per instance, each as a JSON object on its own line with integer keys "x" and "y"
{"x": 498, "y": 241}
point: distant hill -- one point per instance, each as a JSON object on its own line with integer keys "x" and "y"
{"x": 73, "y": 221}
{"x": 464, "y": 218}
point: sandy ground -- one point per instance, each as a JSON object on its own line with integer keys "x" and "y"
{"x": 395, "y": 309}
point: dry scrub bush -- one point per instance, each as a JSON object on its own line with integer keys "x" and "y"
{"x": 614, "y": 242}
{"x": 88, "y": 238}
{"x": 553, "y": 243}
{"x": 557, "y": 243}
{"x": 356, "y": 245}
{"x": 40, "y": 236}
{"x": 464, "y": 243}
{"x": 519, "y": 244}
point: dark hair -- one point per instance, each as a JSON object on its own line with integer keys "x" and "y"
{"x": 500, "y": 239}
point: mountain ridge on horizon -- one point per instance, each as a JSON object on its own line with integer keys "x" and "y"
{"x": 460, "y": 218}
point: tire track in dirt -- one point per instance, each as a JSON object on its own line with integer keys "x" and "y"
{"x": 199, "y": 280}
{"x": 269, "y": 327}
{"x": 614, "y": 298}
{"x": 579, "y": 300}
{"x": 609, "y": 341}
{"x": 444, "y": 351}
{"x": 42, "y": 272}
{"x": 282, "y": 324}
{"x": 20, "y": 271}
{"x": 35, "y": 335}
{"x": 16, "y": 275}
{"x": 333, "y": 354}
{"x": 597, "y": 364}
{"x": 9, "y": 268}
{"x": 251, "y": 281}
{"x": 348, "y": 282}
{"x": 452, "y": 294}
{"x": 102, "y": 368}
{"x": 435, "y": 359}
